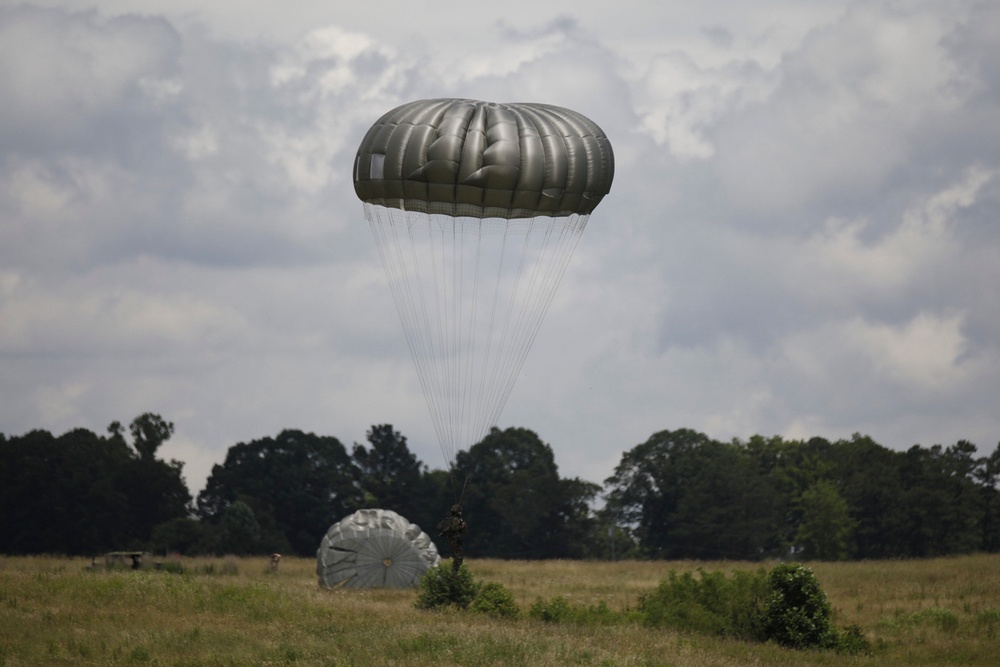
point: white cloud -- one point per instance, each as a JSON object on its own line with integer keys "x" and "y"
{"x": 33, "y": 192}
{"x": 922, "y": 357}
{"x": 842, "y": 266}
{"x": 61, "y": 70}
{"x": 924, "y": 353}
{"x": 678, "y": 100}
{"x": 848, "y": 111}
{"x": 197, "y": 144}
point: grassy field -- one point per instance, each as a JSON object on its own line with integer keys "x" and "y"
{"x": 236, "y": 612}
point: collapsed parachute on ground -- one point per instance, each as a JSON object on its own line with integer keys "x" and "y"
{"x": 476, "y": 209}
{"x": 374, "y": 548}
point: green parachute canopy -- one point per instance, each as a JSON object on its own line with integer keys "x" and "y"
{"x": 476, "y": 209}
{"x": 463, "y": 157}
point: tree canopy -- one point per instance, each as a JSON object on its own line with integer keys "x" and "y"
{"x": 517, "y": 503}
{"x": 81, "y": 493}
{"x": 296, "y": 485}
{"x": 684, "y": 495}
{"x": 679, "y": 494}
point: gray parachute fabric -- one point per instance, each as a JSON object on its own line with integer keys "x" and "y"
{"x": 374, "y": 548}
{"x": 483, "y": 159}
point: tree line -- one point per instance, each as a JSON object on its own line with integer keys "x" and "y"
{"x": 680, "y": 494}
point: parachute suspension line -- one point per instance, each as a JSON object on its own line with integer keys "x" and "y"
{"x": 467, "y": 379}
{"x": 547, "y": 275}
{"x": 457, "y": 493}
{"x": 479, "y": 424}
{"x": 395, "y": 242}
{"x": 458, "y": 301}
{"x": 416, "y": 306}
{"x": 506, "y": 341}
{"x": 471, "y": 294}
{"x": 550, "y": 246}
{"x": 465, "y": 485}
{"x": 431, "y": 310}
{"x": 437, "y": 359}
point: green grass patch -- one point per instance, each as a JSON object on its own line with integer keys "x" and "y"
{"x": 55, "y": 612}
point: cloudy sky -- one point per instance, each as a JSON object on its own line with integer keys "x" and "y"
{"x": 803, "y": 237}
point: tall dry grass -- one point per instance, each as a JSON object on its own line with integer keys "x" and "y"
{"x": 236, "y": 612}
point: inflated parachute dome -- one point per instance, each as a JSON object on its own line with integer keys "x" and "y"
{"x": 476, "y": 209}
{"x": 374, "y": 548}
{"x": 481, "y": 159}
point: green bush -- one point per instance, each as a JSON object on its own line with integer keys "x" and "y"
{"x": 710, "y": 603}
{"x": 797, "y": 613}
{"x": 786, "y": 605}
{"x": 556, "y": 610}
{"x": 443, "y": 587}
{"x": 599, "y": 614}
{"x": 853, "y": 641}
{"x": 494, "y": 599}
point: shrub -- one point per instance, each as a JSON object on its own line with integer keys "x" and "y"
{"x": 556, "y": 610}
{"x": 709, "y": 604}
{"x": 797, "y": 613}
{"x": 443, "y": 587}
{"x": 599, "y": 614}
{"x": 494, "y": 599}
{"x": 853, "y": 641}
{"x": 785, "y": 605}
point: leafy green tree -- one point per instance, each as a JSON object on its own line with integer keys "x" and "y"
{"x": 183, "y": 535}
{"x": 581, "y": 529}
{"x": 302, "y": 481}
{"x": 156, "y": 488}
{"x": 149, "y": 431}
{"x": 610, "y": 541}
{"x": 826, "y": 526}
{"x": 645, "y": 489}
{"x": 687, "y": 495}
{"x": 940, "y": 500}
{"x": 870, "y": 481}
{"x": 726, "y": 508}
{"x": 792, "y": 466}
{"x": 389, "y": 475}
{"x": 239, "y": 532}
{"x": 515, "y": 503}
{"x": 81, "y": 493}
{"x": 83, "y": 509}
{"x": 987, "y": 474}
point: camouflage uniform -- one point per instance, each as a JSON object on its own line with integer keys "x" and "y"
{"x": 452, "y": 528}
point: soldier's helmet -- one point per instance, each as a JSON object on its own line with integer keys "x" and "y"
{"x": 456, "y": 509}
